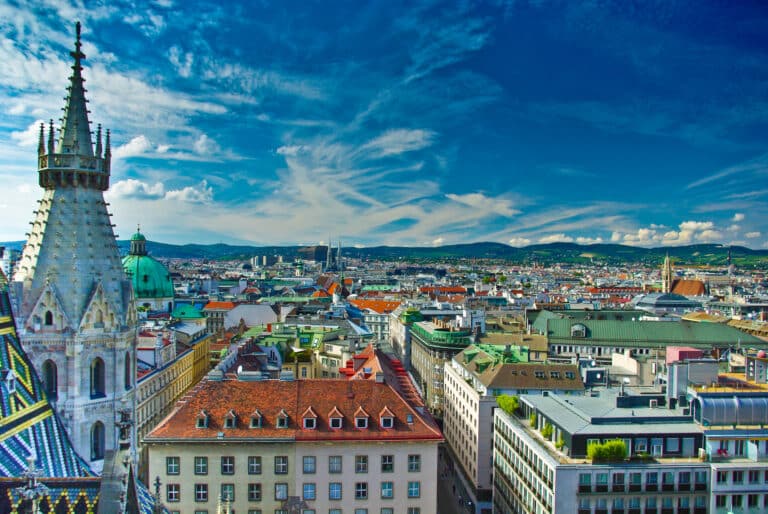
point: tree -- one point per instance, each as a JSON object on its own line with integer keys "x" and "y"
{"x": 533, "y": 418}
{"x": 609, "y": 451}
{"x": 546, "y": 430}
{"x": 508, "y": 404}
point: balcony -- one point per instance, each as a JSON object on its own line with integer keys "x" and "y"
{"x": 585, "y": 488}
{"x": 700, "y": 487}
{"x": 667, "y": 487}
{"x": 601, "y": 488}
{"x": 618, "y": 488}
{"x": 651, "y": 487}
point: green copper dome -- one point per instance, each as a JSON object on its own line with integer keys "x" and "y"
{"x": 150, "y": 278}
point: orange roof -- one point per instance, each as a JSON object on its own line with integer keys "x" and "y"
{"x": 688, "y": 287}
{"x": 320, "y": 294}
{"x": 443, "y": 289}
{"x": 378, "y": 306}
{"x": 273, "y": 397}
{"x": 222, "y": 306}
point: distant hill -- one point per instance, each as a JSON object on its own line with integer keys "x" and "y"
{"x": 702, "y": 254}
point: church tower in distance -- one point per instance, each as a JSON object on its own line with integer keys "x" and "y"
{"x": 71, "y": 298}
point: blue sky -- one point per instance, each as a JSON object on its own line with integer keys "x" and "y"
{"x": 414, "y": 123}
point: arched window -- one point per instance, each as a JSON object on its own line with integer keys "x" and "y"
{"x": 48, "y": 318}
{"x": 97, "y": 441}
{"x": 128, "y": 378}
{"x": 50, "y": 379}
{"x": 97, "y": 378}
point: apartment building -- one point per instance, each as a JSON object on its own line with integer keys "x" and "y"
{"x": 542, "y": 460}
{"x": 324, "y": 446}
{"x": 474, "y": 379}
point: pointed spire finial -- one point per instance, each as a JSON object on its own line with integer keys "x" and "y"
{"x": 41, "y": 140}
{"x": 50, "y": 137}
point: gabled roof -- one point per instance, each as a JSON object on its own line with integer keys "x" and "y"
{"x": 293, "y": 398}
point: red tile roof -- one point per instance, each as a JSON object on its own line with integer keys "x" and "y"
{"x": 221, "y": 306}
{"x": 272, "y": 397}
{"x": 377, "y": 306}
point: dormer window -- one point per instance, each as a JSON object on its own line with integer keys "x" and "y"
{"x": 578, "y": 330}
{"x": 386, "y": 418}
{"x": 335, "y": 419}
{"x": 361, "y": 418}
{"x": 309, "y": 418}
{"x": 230, "y": 419}
{"x": 409, "y": 419}
{"x": 9, "y": 377}
{"x": 282, "y": 419}
{"x": 202, "y": 419}
{"x": 256, "y": 419}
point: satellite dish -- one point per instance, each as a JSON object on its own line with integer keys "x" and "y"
{"x": 626, "y": 380}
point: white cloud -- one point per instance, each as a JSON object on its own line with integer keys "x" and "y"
{"x": 182, "y": 62}
{"x": 480, "y": 201}
{"x": 190, "y": 194}
{"x": 204, "y": 145}
{"x": 132, "y": 188}
{"x": 752, "y": 235}
{"x": 734, "y": 228}
{"x": 29, "y": 137}
{"x": 139, "y": 145}
{"x": 519, "y": 241}
{"x": 556, "y": 238}
{"x": 398, "y": 141}
{"x": 290, "y": 150}
{"x": 438, "y": 241}
{"x": 589, "y": 240}
{"x": 738, "y": 217}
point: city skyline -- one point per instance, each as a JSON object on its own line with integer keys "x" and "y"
{"x": 432, "y": 124}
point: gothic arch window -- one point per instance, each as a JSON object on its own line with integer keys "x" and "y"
{"x": 48, "y": 318}
{"x": 128, "y": 379}
{"x": 97, "y": 441}
{"x": 97, "y": 378}
{"x": 99, "y": 316}
{"x": 50, "y": 379}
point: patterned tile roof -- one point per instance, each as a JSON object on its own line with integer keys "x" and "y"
{"x": 273, "y": 397}
{"x": 378, "y": 306}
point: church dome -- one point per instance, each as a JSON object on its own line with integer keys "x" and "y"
{"x": 149, "y": 277}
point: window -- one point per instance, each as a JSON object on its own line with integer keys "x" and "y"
{"x": 336, "y": 422}
{"x": 201, "y": 421}
{"x": 736, "y": 500}
{"x": 310, "y": 423}
{"x": 387, "y": 422}
{"x": 254, "y": 465}
{"x": 387, "y": 463}
{"x": 414, "y": 463}
{"x": 361, "y": 422}
{"x": 722, "y": 477}
{"x": 172, "y": 465}
{"x": 361, "y": 511}
{"x": 228, "y": 492}
{"x": 281, "y": 491}
{"x": 538, "y": 374}
{"x": 201, "y": 492}
{"x": 387, "y": 510}
{"x": 409, "y": 419}
{"x": 720, "y": 500}
{"x": 281, "y": 465}
{"x": 172, "y": 492}
{"x": 414, "y": 510}
{"x": 334, "y": 511}
{"x": 414, "y": 489}
{"x": 201, "y": 465}
{"x": 334, "y": 464}
{"x": 309, "y": 492}
{"x": 255, "y": 421}
{"x": 569, "y": 375}
{"x": 334, "y": 491}
{"x": 387, "y": 490}
{"x": 752, "y": 500}
{"x": 738, "y": 477}
{"x": 98, "y": 389}
{"x": 754, "y": 477}
{"x": 254, "y": 492}
{"x": 50, "y": 379}
{"x": 97, "y": 441}
{"x": 641, "y": 445}
{"x": 361, "y": 464}
{"x": 673, "y": 444}
{"x": 282, "y": 420}
{"x": 309, "y": 464}
{"x": 227, "y": 465}
{"x": 361, "y": 490}
{"x": 554, "y": 374}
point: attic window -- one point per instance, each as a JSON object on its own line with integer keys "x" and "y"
{"x": 255, "y": 419}
{"x": 386, "y": 418}
{"x": 282, "y": 419}
{"x": 310, "y": 423}
{"x": 569, "y": 375}
{"x": 538, "y": 374}
{"x": 578, "y": 330}
{"x": 554, "y": 374}
{"x": 336, "y": 423}
{"x": 409, "y": 419}
{"x": 361, "y": 422}
{"x": 202, "y": 419}
{"x": 230, "y": 420}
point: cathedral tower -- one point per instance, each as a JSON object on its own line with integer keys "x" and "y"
{"x": 72, "y": 300}
{"x": 666, "y": 275}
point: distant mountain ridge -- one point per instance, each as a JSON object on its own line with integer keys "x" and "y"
{"x": 700, "y": 254}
